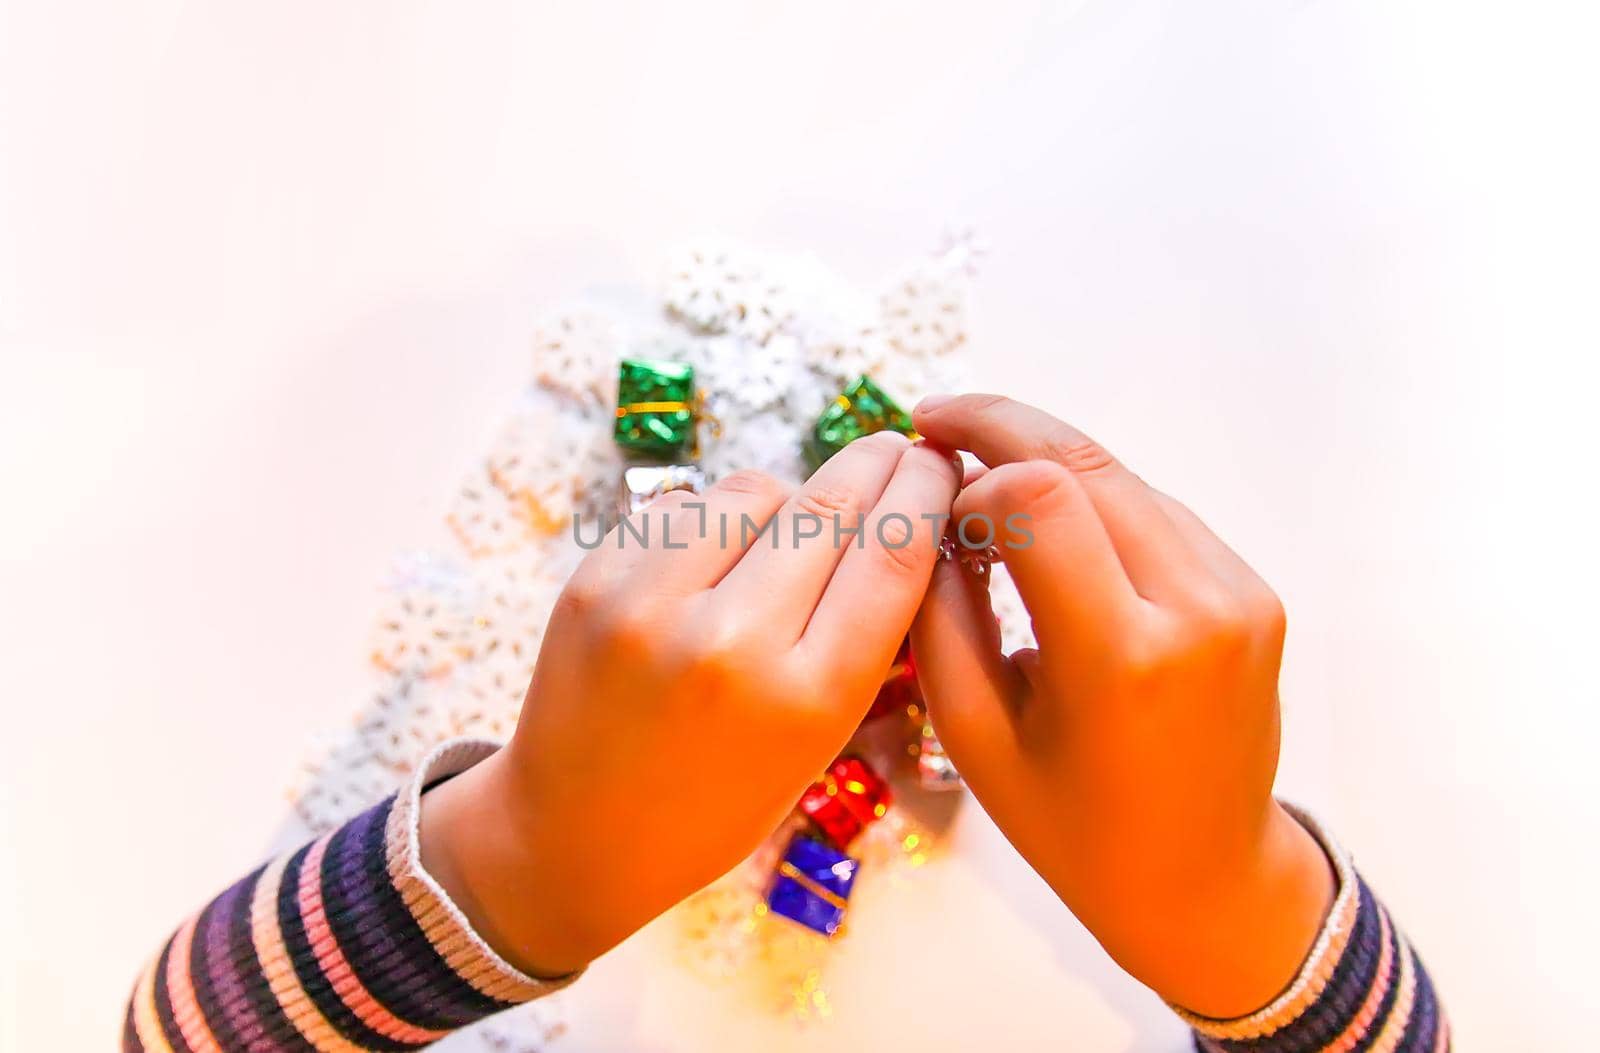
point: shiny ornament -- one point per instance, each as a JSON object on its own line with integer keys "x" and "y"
{"x": 934, "y": 768}
{"x": 860, "y": 409}
{"x": 976, "y": 560}
{"x": 656, "y": 409}
{"x": 849, "y": 797}
{"x": 643, "y": 483}
{"x": 899, "y": 692}
{"x": 812, "y": 885}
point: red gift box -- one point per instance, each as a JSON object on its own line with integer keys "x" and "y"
{"x": 899, "y": 691}
{"x": 848, "y": 797}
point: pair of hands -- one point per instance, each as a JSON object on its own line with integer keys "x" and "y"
{"x": 685, "y": 696}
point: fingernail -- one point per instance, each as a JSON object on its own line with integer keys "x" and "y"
{"x": 933, "y": 402}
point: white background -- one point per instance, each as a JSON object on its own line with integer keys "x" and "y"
{"x": 1325, "y": 270}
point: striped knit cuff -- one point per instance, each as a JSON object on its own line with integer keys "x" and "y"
{"x": 1361, "y": 986}
{"x": 344, "y": 945}
{"x": 448, "y": 929}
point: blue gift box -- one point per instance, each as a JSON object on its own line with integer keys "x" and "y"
{"x": 812, "y": 885}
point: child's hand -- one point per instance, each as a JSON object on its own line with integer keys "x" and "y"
{"x": 686, "y": 694}
{"x": 1130, "y": 758}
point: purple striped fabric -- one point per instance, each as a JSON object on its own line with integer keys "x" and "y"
{"x": 347, "y": 945}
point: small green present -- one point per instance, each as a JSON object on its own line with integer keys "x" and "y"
{"x": 861, "y": 409}
{"x": 656, "y": 408}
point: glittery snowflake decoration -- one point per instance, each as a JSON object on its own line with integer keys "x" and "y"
{"x": 924, "y": 313}
{"x": 570, "y": 355}
{"x": 1016, "y": 628}
{"x": 426, "y": 621}
{"x": 718, "y": 290}
{"x": 547, "y": 478}
{"x": 529, "y": 1028}
{"x": 756, "y": 375}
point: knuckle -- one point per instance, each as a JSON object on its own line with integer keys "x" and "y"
{"x": 983, "y": 403}
{"x": 717, "y": 656}
{"x": 886, "y": 439}
{"x": 750, "y": 481}
{"x": 900, "y": 552}
{"x": 794, "y": 686}
{"x": 936, "y": 469}
{"x": 825, "y": 501}
{"x": 1075, "y": 452}
{"x": 894, "y": 532}
{"x": 627, "y": 629}
{"x": 579, "y": 600}
{"x": 1269, "y": 616}
{"x": 1025, "y": 483}
{"x": 711, "y": 654}
{"x": 1143, "y": 664}
{"x": 1219, "y": 621}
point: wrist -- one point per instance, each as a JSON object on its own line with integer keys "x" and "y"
{"x": 1229, "y": 946}
{"x": 1220, "y": 933}
{"x": 473, "y": 843}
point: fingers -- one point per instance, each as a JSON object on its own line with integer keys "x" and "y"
{"x": 1058, "y": 552}
{"x": 972, "y": 690}
{"x": 1001, "y": 431}
{"x": 782, "y": 574}
{"x": 731, "y": 514}
{"x": 683, "y": 542}
{"x": 875, "y": 591}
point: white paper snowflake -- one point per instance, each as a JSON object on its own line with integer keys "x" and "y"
{"x": 742, "y": 373}
{"x": 575, "y": 354}
{"x": 488, "y": 698}
{"x": 924, "y": 313}
{"x": 843, "y": 359}
{"x": 425, "y": 618}
{"x": 484, "y": 520}
{"x": 909, "y": 381}
{"x": 720, "y": 290}
{"x": 510, "y": 620}
{"x": 548, "y": 469}
{"x": 340, "y": 779}
{"x": 405, "y": 721}
{"x": 1016, "y": 627}
{"x": 766, "y": 444}
{"x": 529, "y": 1028}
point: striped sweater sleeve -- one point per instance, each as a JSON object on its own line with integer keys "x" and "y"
{"x": 344, "y": 945}
{"x": 1362, "y": 989}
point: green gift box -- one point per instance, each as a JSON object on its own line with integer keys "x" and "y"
{"x": 861, "y": 409}
{"x": 656, "y": 408}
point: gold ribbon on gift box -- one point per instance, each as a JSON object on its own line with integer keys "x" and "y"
{"x": 799, "y": 877}
{"x": 696, "y": 410}
{"x": 832, "y": 785}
